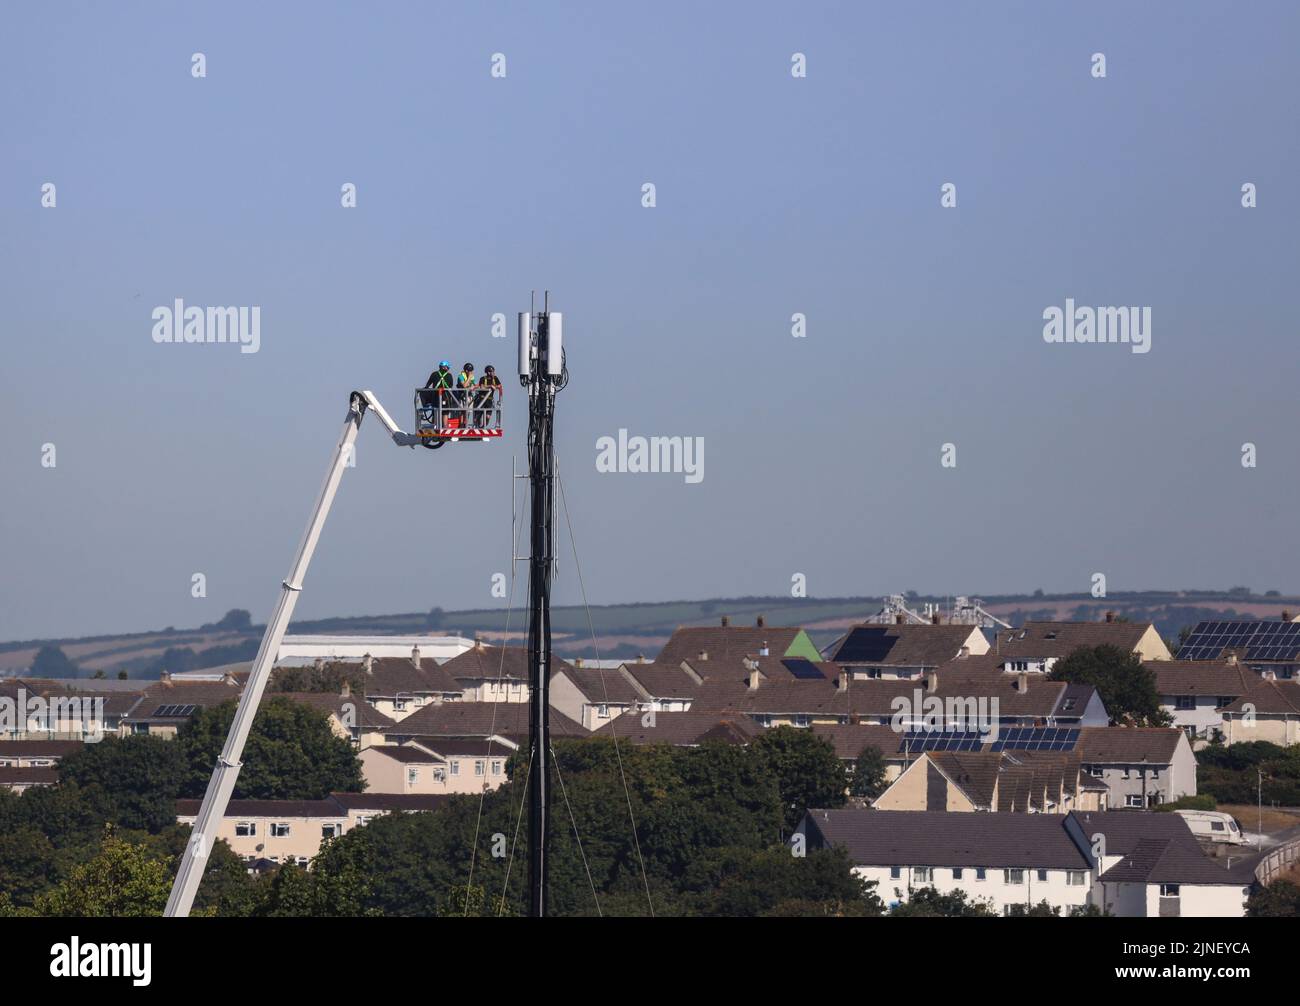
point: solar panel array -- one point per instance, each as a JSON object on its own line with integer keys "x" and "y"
{"x": 1261, "y": 640}
{"x": 175, "y": 710}
{"x": 1036, "y": 739}
{"x": 1008, "y": 739}
{"x": 866, "y": 645}
{"x": 804, "y": 669}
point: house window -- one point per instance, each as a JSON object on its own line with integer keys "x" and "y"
{"x": 922, "y": 874}
{"x": 1169, "y": 890}
{"x": 1184, "y": 701}
{"x": 439, "y": 775}
{"x": 1042, "y": 876}
{"x": 455, "y": 767}
{"x": 496, "y": 766}
{"x": 981, "y": 873}
{"x": 1074, "y": 878}
{"x": 412, "y": 776}
{"x": 302, "y": 861}
{"x": 479, "y": 766}
{"x": 364, "y": 819}
{"x": 802, "y": 720}
{"x": 246, "y": 829}
{"x": 1013, "y": 876}
{"x": 330, "y": 830}
{"x": 280, "y": 830}
{"x": 1133, "y": 800}
{"x": 602, "y": 711}
{"x": 895, "y": 872}
{"x": 957, "y": 872}
{"x": 1225, "y": 700}
{"x": 399, "y": 705}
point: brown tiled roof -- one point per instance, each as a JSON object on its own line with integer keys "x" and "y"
{"x": 1121, "y": 830}
{"x": 729, "y": 642}
{"x": 779, "y": 693}
{"x": 38, "y": 748}
{"x": 479, "y": 719}
{"x": 469, "y": 746}
{"x": 351, "y": 707}
{"x": 406, "y": 753}
{"x": 390, "y": 676}
{"x": 660, "y": 681}
{"x": 483, "y": 662}
{"x": 1200, "y": 677}
{"x": 940, "y": 838}
{"x": 1167, "y": 861}
{"x": 1060, "y": 639}
{"x": 1268, "y": 696}
{"x": 903, "y": 645}
{"x": 850, "y": 739}
{"x": 601, "y": 684}
{"x": 1128, "y": 745}
{"x": 11, "y": 776}
{"x": 201, "y": 694}
{"x": 681, "y": 728}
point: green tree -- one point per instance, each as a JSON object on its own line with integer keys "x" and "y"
{"x": 807, "y": 770}
{"x": 52, "y": 662}
{"x": 1281, "y": 899}
{"x": 868, "y": 779}
{"x": 1126, "y": 688}
{"x": 928, "y": 902}
{"x": 291, "y": 754}
{"x": 122, "y": 881}
{"x": 139, "y": 777}
{"x": 1042, "y": 910}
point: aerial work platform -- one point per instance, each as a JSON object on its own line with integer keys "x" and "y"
{"x": 456, "y": 414}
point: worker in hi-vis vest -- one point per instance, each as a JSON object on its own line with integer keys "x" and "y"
{"x": 440, "y": 383}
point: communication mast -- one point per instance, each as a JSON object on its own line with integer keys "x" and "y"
{"x": 543, "y": 373}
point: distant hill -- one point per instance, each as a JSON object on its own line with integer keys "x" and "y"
{"x": 626, "y": 630}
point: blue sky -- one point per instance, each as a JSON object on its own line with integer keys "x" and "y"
{"x": 775, "y": 195}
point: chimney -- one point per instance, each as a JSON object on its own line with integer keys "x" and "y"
{"x": 415, "y": 656}
{"x": 165, "y": 679}
{"x": 760, "y": 621}
{"x": 640, "y": 658}
{"x": 1022, "y": 682}
{"x": 842, "y": 685}
{"x": 753, "y": 678}
{"x": 963, "y": 653}
{"x": 763, "y": 650}
{"x": 931, "y": 681}
{"x": 1230, "y": 656}
{"x": 478, "y": 641}
{"x": 726, "y": 620}
{"x": 368, "y": 664}
{"x": 1286, "y": 616}
{"x": 577, "y": 661}
{"x": 1110, "y": 616}
{"x": 346, "y": 691}
{"x": 934, "y": 618}
{"x": 229, "y": 679}
{"x": 704, "y": 654}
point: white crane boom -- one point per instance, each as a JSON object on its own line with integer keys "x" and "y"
{"x": 222, "y": 783}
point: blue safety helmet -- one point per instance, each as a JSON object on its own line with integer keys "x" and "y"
{"x": 444, "y": 363}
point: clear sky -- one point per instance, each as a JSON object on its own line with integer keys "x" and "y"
{"x": 776, "y": 195}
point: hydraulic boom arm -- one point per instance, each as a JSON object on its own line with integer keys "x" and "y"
{"x": 222, "y": 784}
